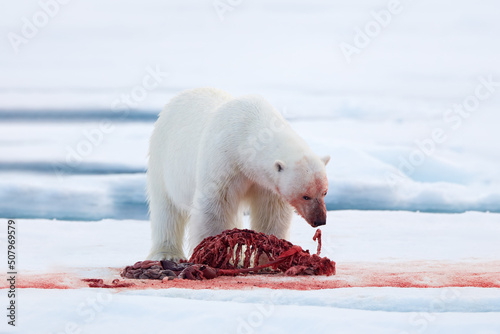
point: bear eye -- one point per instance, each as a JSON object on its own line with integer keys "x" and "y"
{"x": 306, "y": 198}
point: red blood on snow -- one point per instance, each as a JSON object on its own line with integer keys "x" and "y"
{"x": 414, "y": 274}
{"x": 99, "y": 283}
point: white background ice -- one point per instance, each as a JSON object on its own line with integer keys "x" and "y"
{"x": 367, "y": 114}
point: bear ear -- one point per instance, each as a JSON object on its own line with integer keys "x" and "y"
{"x": 325, "y": 159}
{"x": 279, "y": 165}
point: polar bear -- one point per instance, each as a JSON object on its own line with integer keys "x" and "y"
{"x": 213, "y": 156}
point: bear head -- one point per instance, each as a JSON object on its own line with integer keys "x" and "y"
{"x": 303, "y": 183}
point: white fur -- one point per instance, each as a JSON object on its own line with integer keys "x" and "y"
{"x": 213, "y": 156}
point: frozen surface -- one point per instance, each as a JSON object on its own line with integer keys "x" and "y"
{"x": 41, "y": 170}
{"x": 374, "y": 237}
{"x": 424, "y": 60}
{"x": 349, "y": 236}
{"x": 360, "y": 310}
{"x": 374, "y": 115}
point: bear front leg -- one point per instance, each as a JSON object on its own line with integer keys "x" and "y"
{"x": 270, "y": 214}
{"x": 167, "y": 227}
{"x": 213, "y": 213}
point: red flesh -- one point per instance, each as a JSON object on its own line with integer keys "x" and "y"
{"x": 317, "y": 236}
{"x": 223, "y": 252}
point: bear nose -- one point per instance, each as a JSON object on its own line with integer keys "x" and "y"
{"x": 319, "y": 223}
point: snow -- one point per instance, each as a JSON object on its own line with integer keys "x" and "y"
{"x": 290, "y": 49}
{"x": 374, "y": 238}
{"x": 375, "y": 115}
{"x": 42, "y": 165}
{"x": 349, "y": 236}
{"x": 76, "y": 116}
{"x": 262, "y": 312}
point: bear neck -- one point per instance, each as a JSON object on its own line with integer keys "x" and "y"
{"x": 287, "y": 147}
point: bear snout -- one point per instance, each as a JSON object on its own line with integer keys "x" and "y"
{"x": 318, "y": 218}
{"x": 313, "y": 211}
{"x": 319, "y": 223}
